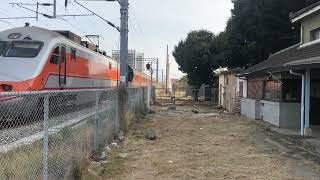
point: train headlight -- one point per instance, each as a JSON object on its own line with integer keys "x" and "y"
{"x": 6, "y": 87}
{"x": 14, "y": 36}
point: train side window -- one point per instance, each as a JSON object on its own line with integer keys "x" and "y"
{"x": 55, "y": 56}
{"x": 63, "y": 53}
{"x": 73, "y": 53}
{"x": 110, "y": 66}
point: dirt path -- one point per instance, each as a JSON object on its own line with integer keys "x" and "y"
{"x": 207, "y": 145}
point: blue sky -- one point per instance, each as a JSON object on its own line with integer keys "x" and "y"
{"x": 153, "y": 23}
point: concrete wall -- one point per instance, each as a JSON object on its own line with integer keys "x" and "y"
{"x": 290, "y": 115}
{"x": 284, "y": 115}
{"x": 221, "y": 90}
{"x": 230, "y": 92}
{"x": 307, "y": 25}
{"x": 250, "y": 108}
{"x": 270, "y": 112}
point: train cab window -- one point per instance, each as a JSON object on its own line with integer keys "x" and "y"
{"x": 24, "y": 49}
{"x": 73, "y": 53}
{"x": 55, "y": 56}
{"x": 3, "y": 46}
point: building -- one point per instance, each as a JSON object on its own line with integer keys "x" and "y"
{"x": 284, "y": 90}
{"x": 140, "y": 66}
{"x": 116, "y": 55}
{"x": 131, "y": 57}
{"x": 231, "y": 89}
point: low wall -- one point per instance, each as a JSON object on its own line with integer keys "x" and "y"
{"x": 284, "y": 115}
{"x": 270, "y": 112}
{"x": 290, "y": 115}
{"x": 250, "y": 108}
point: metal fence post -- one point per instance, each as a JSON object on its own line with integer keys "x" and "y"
{"x": 95, "y": 134}
{"x": 45, "y": 136}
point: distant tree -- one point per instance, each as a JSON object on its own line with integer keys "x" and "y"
{"x": 194, "y": 57}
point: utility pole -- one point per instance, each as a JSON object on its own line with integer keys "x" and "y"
{"x": 162, "y": 79}
{"x": 167, "y": 69}
{"x": 157, "y": 71}
{"x": 124, "y": 41}
{"x": 54, "y": 8}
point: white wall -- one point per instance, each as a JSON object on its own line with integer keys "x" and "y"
{"x": 250, "y": 108}
{"x": 221, "y": 89}
{"x": 270, "y": 112}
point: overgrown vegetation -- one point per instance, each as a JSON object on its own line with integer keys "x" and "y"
{"x": 256, "y": 29}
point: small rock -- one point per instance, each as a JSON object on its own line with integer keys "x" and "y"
{"x": 103, "y": 162}
{"x": 123, "y": 155}
{"x": 107, "y": 149}
{"x": 195, "y": 111}
{"x": 201, "y": 128}
{"x": 121, "y": 136}
{"x": 151, "y": 112}
{"x": 113, "y": 145}
{"x": 94, "y": 165}
{"x": 103, "y": 156}
{"x": 151, "y": 134}
{"x": 170, "y": 162}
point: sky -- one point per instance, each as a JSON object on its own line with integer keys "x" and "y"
{"x": 153, "y": 24}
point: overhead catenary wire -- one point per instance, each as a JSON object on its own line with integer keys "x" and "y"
{"x": 108, "y": 22}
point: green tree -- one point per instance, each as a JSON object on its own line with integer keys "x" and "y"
{"x": 194, "y": 56}
{"x": 258, "y": 28}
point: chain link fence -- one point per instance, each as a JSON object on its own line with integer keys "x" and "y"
{"x": 50, "y": 135}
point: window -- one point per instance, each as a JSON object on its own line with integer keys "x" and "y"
{"x": 255, "y": 89}
{"x": 63, "y": 53}
{"x": 3, "y": 46}
{"x": 55, "y": 56}
{"x": 315, "y": 34}
{"x": 272, "y": 90}
{"x": 110, "y": 66}
{"x": 73, "y": 53}
{"x": 24, "y": 49}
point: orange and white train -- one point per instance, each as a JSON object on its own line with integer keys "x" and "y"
{"x": 36, "y": 59}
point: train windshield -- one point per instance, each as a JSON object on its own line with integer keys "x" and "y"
{"x": 3, "y": 46}
{"x": 24, "y": 49}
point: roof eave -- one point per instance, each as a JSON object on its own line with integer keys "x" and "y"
{"x": 299, "y": 17}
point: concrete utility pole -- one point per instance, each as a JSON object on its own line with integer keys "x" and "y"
{"x": 124, "y": 41}
{"x": 157, "y": 71}
{"x": 54, "y": 8}
{"x": 167, "y": 69}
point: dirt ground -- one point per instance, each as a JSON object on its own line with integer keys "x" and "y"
{"x": 206, "y": 145}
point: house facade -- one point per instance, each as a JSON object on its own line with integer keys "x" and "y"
{"x": 231, "y": 89}
{"x": 284, "y": 90}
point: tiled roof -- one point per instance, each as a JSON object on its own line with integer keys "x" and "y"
{"x": 300, "y": 12}
{"x": 296, "y": 55}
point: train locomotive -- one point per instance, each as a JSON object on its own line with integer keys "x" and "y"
{"x": 38, "y": 59}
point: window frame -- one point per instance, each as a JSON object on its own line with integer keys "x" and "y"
{"x": 5, "y": 47}
{"x": 73, "y": 53}
{"x": 55, "y": 55}
{"x": 314, "y": 34}
{"x": 12, "y": 42}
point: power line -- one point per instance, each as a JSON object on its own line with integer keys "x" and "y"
{"x": 108, "y": 22}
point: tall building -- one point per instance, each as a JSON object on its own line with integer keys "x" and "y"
{"x": 140, "y": 66}
{"x": 131, "y": 57}
{"x": 135, "y": 59}
{"x": 116, "y": 55}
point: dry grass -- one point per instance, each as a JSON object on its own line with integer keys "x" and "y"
{"x": 200, "y": 146}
